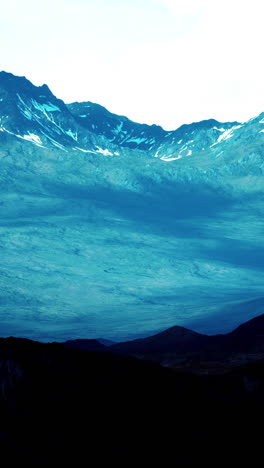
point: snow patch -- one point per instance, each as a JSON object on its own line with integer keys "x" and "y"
{"x": 179, "y": 142}
{"x": 45, "y": 107}
{"x": 152, "y": 141}
{"x": 30, "y": 137}
{"x": 26, "y": 114}
{"x": 136, "y": 140}
{"x": 54, "y": 142}
{"x": 71, "y": 134}
{"x": 261, "y": 131}
{"x": 226, "y": 135}
{"x": 33, "y": 138}
{"x": 24, "y": 109}
{"x": 84, "y": 150}
{"x": 219, "y": 129}
{"x": 165, "y": 158}
{"x": 118, "y": 129}
{"x": 105, "y": 152}
{"x": 3, "y": 129}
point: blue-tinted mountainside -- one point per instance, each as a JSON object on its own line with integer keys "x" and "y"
{"x": 117, "y": 129}
{"x": 117, "y": 229}
{"x": 26, "y": 108}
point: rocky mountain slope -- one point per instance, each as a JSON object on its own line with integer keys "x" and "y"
{"x": 117, "y": 229}
{"x": 35, "y": 114}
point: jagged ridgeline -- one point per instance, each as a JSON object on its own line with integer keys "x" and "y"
{"x": 118, "y": 229}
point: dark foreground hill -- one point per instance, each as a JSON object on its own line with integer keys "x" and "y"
{"x": 62, "y": 405}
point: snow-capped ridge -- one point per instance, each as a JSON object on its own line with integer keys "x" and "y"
{"x": 28, "y": 110}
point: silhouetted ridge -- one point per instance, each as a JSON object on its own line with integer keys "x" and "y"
{"x": 203, "y": 124}
{"x": 15, "y": 83}
{"x": 85, "y": 345}
{"x": 174, "y": 339}
{"x": 254, "y": 328}
{"x": 182, "y": 348}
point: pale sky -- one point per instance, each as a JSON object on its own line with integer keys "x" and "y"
{"x": 167, "y": 62}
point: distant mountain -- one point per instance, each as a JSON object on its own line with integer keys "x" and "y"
{"x": 175, "y": 339}
{"x": 105, "y": 342}
{"x": 36, "y": 115}
{"x": 254, "y": 329}
{"x": 248, "y": 337}
{"x": 181, "y": 348}
{"x": 118, "y": 229}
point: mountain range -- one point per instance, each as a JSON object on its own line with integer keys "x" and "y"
{"x": 185, "y": 350}
{"x": 118, "y": 229}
